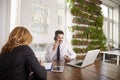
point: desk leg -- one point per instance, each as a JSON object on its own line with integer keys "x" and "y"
{"x": 103, "y": 57}
{"x": 117, "y": 59}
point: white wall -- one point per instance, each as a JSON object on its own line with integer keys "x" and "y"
{"x": 25, "y": 13}
{"x": 4, "y": 21}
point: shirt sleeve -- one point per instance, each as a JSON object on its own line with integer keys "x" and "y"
{"x": 34, "y": 64}
{"x": 50, "y": 53}
{"x": 71, "y": 53}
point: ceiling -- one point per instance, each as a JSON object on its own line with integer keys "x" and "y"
{"x": 112, "y": 3}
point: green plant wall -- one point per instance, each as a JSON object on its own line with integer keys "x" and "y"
{"x": 87, "y": 25}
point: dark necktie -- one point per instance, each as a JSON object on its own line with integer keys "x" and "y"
{"x": 58, "y": 53}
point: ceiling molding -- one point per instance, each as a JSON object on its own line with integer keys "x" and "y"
{"x": 111, "y": 3}
{"x": 116, "y": 1}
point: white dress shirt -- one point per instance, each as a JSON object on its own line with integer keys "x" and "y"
{"x": 65, "y": 49}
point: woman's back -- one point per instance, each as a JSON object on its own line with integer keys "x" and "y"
{"x": 17, "y": 59}
{"x": 15, "y": 65}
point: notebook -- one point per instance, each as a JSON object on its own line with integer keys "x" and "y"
{"x": 89, "y": 59}
{"x": 48, "y": 65}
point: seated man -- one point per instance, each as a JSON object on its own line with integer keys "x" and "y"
{"x": 66, "y": 52}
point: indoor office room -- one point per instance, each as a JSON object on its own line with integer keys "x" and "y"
{"x": 60, "y": 39}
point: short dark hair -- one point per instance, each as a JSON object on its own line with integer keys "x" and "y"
{"x": 58, "y": 32}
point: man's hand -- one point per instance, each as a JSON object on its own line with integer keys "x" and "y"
{"x": 67, "y": 58}
{"x": 55, "y": 45}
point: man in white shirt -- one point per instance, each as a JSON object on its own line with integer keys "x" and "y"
{"x": 66, "y": 52}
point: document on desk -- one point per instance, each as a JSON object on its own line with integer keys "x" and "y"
{"x": 57, "y": 69}
{"x": 48, "y": 66}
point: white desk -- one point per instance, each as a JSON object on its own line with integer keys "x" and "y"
{"x": 114, "y": 52}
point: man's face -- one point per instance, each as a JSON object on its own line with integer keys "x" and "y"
{"x": 60, "y": 38}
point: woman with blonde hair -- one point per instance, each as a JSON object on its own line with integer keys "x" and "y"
{"x": 17, "y": 59}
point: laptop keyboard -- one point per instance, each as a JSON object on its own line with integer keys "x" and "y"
{"x": 79, "y": 64}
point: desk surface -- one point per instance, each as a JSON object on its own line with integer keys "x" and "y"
{"x": 114, "y": 52}
{"x": 96, "y": 71}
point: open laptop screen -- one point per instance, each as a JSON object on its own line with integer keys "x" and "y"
{"x": 89, "y": 59}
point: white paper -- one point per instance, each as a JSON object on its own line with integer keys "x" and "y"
{"x": 48, "y": 66}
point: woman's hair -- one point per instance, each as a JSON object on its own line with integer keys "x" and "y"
{"x": 19, "y": 36}
{"x": 58, "y": 32}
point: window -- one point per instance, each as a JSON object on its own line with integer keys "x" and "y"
{"x": 61, "y": 14}
{"x": 40, "y": 19}
{"x": 105, "y": 10}
{"x": 108, "y": 23}
{"x": 47, "y": 16}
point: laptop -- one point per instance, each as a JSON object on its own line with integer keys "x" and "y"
{"x": 89, "y": 59}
